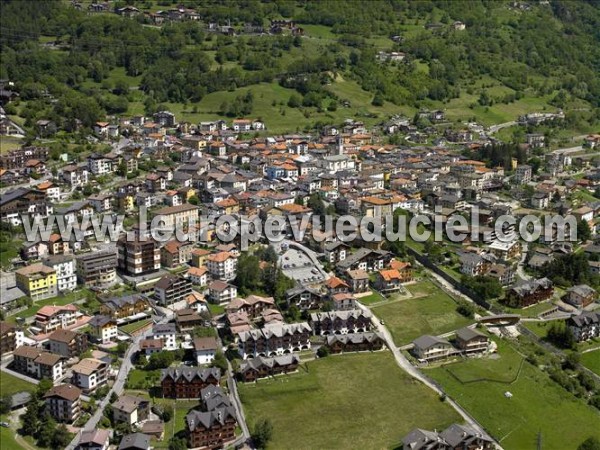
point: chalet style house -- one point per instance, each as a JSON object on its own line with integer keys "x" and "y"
{"x": 274, "y": 339}
{"x": 211, "y": 429}
{"x": 304, "y": 297}
{"x": 341, "y": 322}
{"x": 454, "y": 437}
{"x": 529, "y": 293}
{"x": 585, "y": 326}
{"x": 580, "y": 296}
{"x": 187, "y": 382}
{"x": 432, "y": 348}
{"x": 354, "y": 342}
{"x": 470, "y": 341}
{"x": 259, "y": 367}
{"x": 253, "y": 305}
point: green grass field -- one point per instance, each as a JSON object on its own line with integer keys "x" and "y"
{"x": 345, "y": 401}
{"x": 137, "y": 379}
{"x": 591, "y": 360}
{"x": 431, "y": 312}
{"x": 538, "y": 404}
{"x": 135, "y": 326}
{"x": 7, "y": 436}
{"x": 10, "y": 384}
{"x": 375, "y": 297}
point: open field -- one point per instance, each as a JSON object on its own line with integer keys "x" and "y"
{"x": 591, "y": 360}
{"x": 538, "y": 404}
{"x": 374, "y": 297}
{"x": 135, "y": 326}
{"x": 322, "y": 406}
{"x": 431, "y": 312}
{"x": 10, "y": 384}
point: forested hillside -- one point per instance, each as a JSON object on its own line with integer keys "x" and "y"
{"x": 545, "y": 55}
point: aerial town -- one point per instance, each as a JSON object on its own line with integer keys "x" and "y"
{"x": 115, "y": 337}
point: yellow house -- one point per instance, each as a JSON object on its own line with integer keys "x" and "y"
{"x": 126, "y": 202}
{"x": 38, "y": 281}
{"x": 228, "y": 206}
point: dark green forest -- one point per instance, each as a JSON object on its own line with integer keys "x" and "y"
{"x": 554, "y": 47}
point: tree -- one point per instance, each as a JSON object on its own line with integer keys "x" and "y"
{"x": 262, "y": 433}
{"x": 294, "y": 101}
{"x": 572, "y": 360}
{"x": 46, "y": 431}
{"x": 31, "y": 418}
{"x": 323, "y": 351}
{"x": 377, "y": 100}
{"x": 560, "y": 335}
{"x": 193, "y": 200}
{"x": 220, "y": 361}
{"x": 167, "y": 413}
{"x": 113, "y": 397}
{"x": 177, "y": 443}
{"x": 160, "y": 360}
{"x": 248, "y": 273}
{"x": 61, "y": 437}
{"x": 591, "y": 443}
{"x": 5, "y": 404}
{"x": 584, "y": 233}
{"x": 44, "y": 386}
{"x": 315, "y": 202}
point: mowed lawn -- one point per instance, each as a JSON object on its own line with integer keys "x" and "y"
{"x": 345, "y": 401}
{"x": 10, "y": 384}
{"x": 591, "y": 360}
{"x": 537, "y": 405}
{"x": 431, "y": 311}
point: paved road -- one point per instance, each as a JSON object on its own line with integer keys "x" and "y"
{"x": 405, "y": 364}
{"x": 520, "y": 272}
{"x": 495, "y": 128}
{"x": 117, "y": 387}
{"x": 239, "y": 409}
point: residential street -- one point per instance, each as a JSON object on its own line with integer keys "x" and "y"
{"x": 117, "y": 387}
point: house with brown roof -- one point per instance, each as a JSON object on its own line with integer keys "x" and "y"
{"x": 358, "y": 280}
{"x": 220, "y": 292}
{"x": 98, "y": 439}
{"x": 222, "y": 266}
{"x": 67, "y": 343}
{"x": 62, "y": 402}
{"x": 253, "y": 305}
{"x": 187, "y": 319}
{"x": 205, "y": 349}
{"x": 198, "y": 275}
{"x": 199, "y": 256}
{"x": 11, "y": 337}
{"x": 38, "y": 364}
{"x": 90, "y": 374}
{"x": 130, "y": 409}
{"x": 175, "y": 253}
